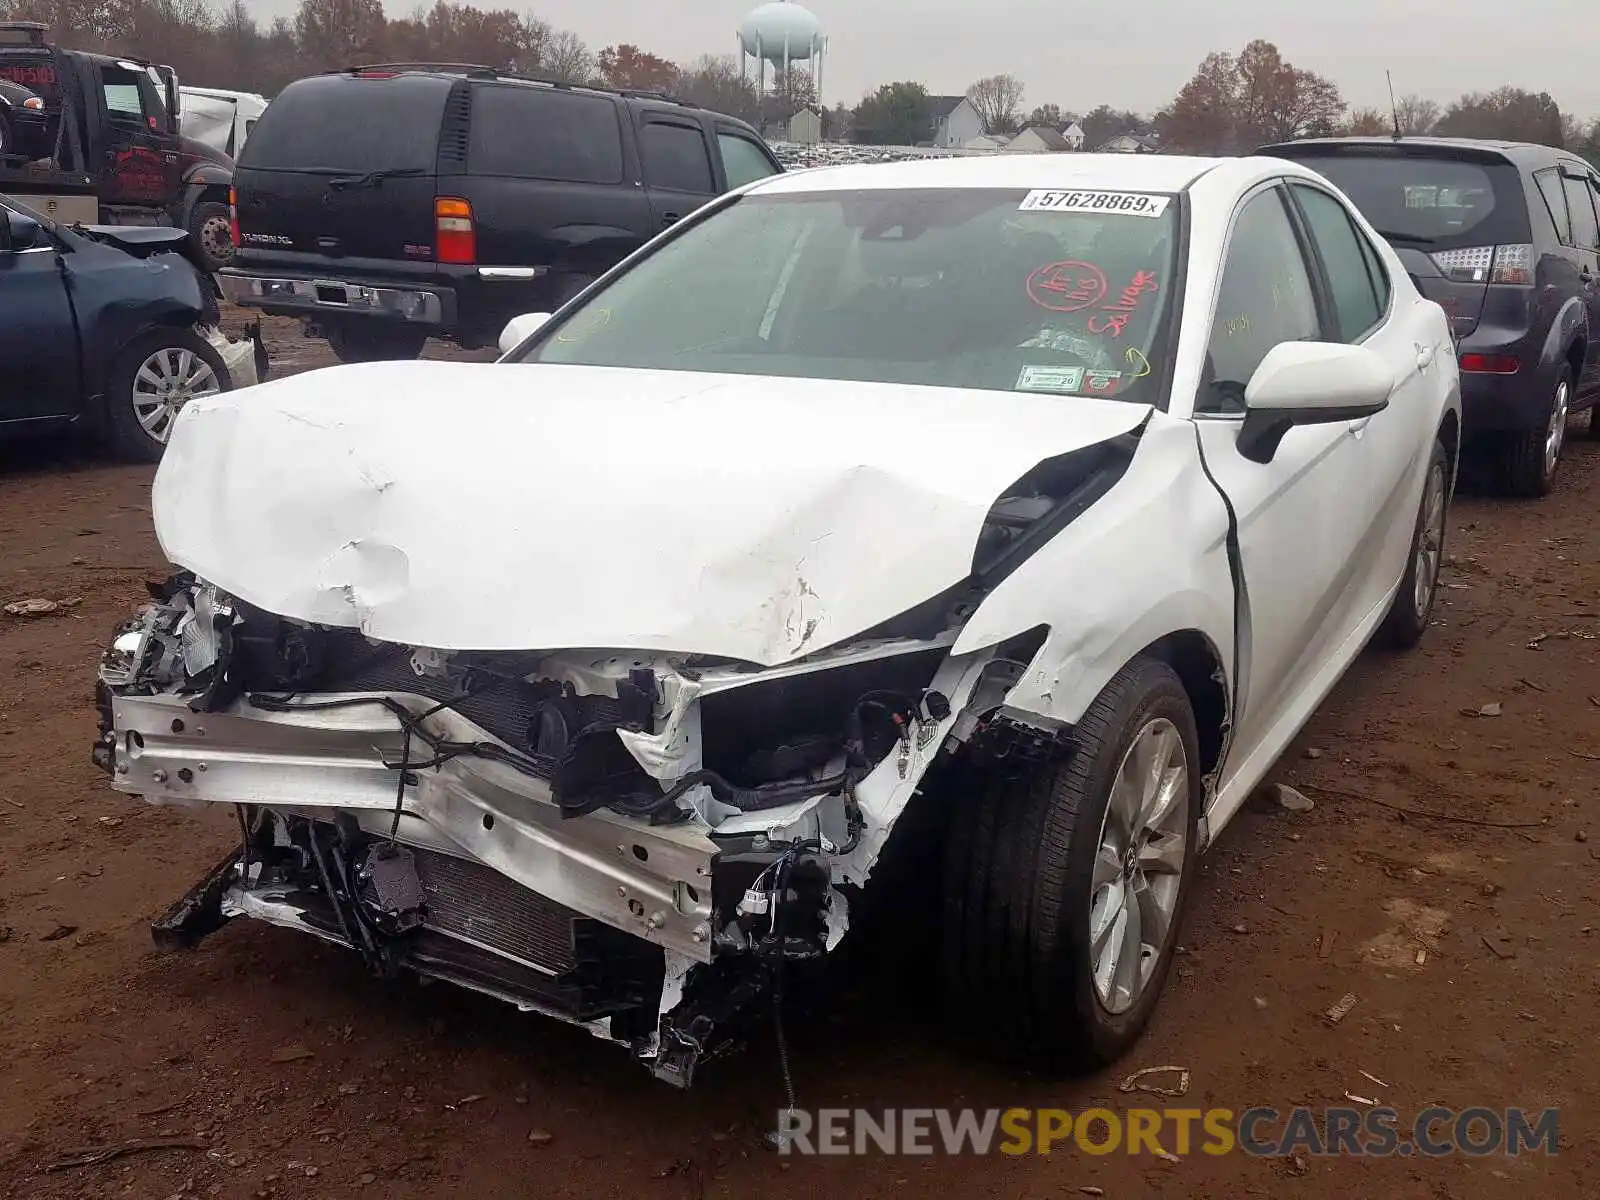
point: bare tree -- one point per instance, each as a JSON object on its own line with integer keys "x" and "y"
{"x": 338, "y": 33}
{"x": 715, "y": 83}
{"x": 998, "y": 99}
{"x": 1417, "y": 115}
{"x": 565, "y": 57}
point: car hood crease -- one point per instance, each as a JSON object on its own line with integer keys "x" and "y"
{"x": 504, "y": 506}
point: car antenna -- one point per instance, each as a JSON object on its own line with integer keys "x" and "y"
{"x": 1394, "y": 109}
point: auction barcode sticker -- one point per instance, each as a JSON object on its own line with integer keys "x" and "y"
{"x": 1128, "y": 204}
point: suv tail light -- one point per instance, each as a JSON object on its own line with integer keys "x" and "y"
{"x": 233, "y": 217}
{"x": 455, "y": 239}
{"x": 1487, "y": 264}
{"x": 1491, "y": 364}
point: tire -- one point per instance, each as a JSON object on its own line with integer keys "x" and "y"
{"x": 1021, "y": 858}
{"x": 7, "y": 140}
{"x": 1591, "y": 431}
{"x": 375, "y": 343}
{"x": 138, "y": 365}
{"x": 1412, "y": 609}
{"x": 211, "y": 236}
{"x": 1527, "y": 463}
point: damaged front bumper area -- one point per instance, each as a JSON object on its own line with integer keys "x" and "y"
{"x": 633, "y": 843}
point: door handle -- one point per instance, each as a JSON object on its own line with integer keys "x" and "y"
{"x": 669, "y": 218}
{"x": 1424, "y": 357}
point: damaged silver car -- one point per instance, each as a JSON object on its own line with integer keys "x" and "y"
{"x": 599, "y": 679}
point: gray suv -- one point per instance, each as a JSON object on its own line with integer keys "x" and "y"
{"x": 1506, "y": 237}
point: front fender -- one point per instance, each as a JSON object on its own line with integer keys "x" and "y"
{"x": 201, "y": 183}
{"x": 1149, "y": 559}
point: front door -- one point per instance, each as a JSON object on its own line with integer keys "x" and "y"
{"x": 1299, "y": 532}
{"x": 38, "y": 339}
{"x": 141, "y": 165}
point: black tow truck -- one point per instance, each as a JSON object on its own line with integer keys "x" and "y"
{"x": 115, "y": 152}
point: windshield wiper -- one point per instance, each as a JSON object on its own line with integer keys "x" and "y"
{"x": 372, "y": 178}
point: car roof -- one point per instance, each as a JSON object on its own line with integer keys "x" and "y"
{"x": 1135, "y": 172}
{"x": 452, "y": 73}
{"x": 1517, "y": 152}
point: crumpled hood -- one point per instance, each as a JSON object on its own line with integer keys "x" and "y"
{"x": 486, "y": 506}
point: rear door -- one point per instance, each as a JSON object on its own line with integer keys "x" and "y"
{"x": 679, "y": 175}
{"x": 342, "y": 167}
{"x": 1456, "y": 216}
{"x": 1583, "y": 247}
{"x": 1391, "y": 446}
{"x": 550, "y": 178}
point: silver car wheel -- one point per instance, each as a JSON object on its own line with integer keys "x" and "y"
{"x": 164, "y": 383}
{"x": 1557, "y": 433}
{"x": 1138, "y": 866}
{"x": 1430, "y": 541}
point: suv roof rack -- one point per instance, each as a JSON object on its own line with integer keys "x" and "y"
{"x": 479, "y": 71}
{"x": 442, "y": 67}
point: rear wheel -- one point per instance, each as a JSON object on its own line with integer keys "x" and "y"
{"x": 1409, "y": 614}
{"x": 211, "y": 234}
{"x": 375, "y": 343}
{"x": 1065, "y": 882}
{"x": 154, "y": 377}
{"x": 1529, "y": 458}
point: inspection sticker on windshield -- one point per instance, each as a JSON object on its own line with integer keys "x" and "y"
{"x": 1050, "y": 379}
{"x": 1126, "y": 204}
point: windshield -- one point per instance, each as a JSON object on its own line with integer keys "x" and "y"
{"x": 1058, "y": 292}
{"x": 1438, "y": 202}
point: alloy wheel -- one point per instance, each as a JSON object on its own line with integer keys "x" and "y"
{"x": 1556, "y": 434}
{"x": 1138, "y": 866}
{"x": 1430, "y": 541}
{"x": 166, "y": 381}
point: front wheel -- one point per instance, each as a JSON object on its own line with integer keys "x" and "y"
{"x": 153, "y": 378}
{"x": 211, "y": 235}
{"x": 1412, "y": 608}
{"x": 1065, "y": 883}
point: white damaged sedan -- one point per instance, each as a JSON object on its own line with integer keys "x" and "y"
{"x": 1047, "y": 496}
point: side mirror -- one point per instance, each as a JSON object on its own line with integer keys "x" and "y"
{"x": 174, "y": 96}
{"x": 1310, "y": 383}
{"x": 520, "y": 329}
{"x": 24, "y": 232}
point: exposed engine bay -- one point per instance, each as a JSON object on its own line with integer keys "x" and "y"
{"x": 639, "y": 843}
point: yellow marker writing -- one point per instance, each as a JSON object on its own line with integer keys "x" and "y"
{"x": 1134, "y": 357}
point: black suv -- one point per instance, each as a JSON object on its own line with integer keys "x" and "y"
{"x": 390, "y": 204}
{"x": 1506, "y": 237}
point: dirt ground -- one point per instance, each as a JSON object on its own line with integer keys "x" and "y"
{"x": 1471, "y": 948}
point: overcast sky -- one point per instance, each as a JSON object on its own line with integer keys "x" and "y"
{"x": 1133, "y": 54}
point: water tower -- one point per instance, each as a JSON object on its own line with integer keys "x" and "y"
{"x": 781, "y": 34}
